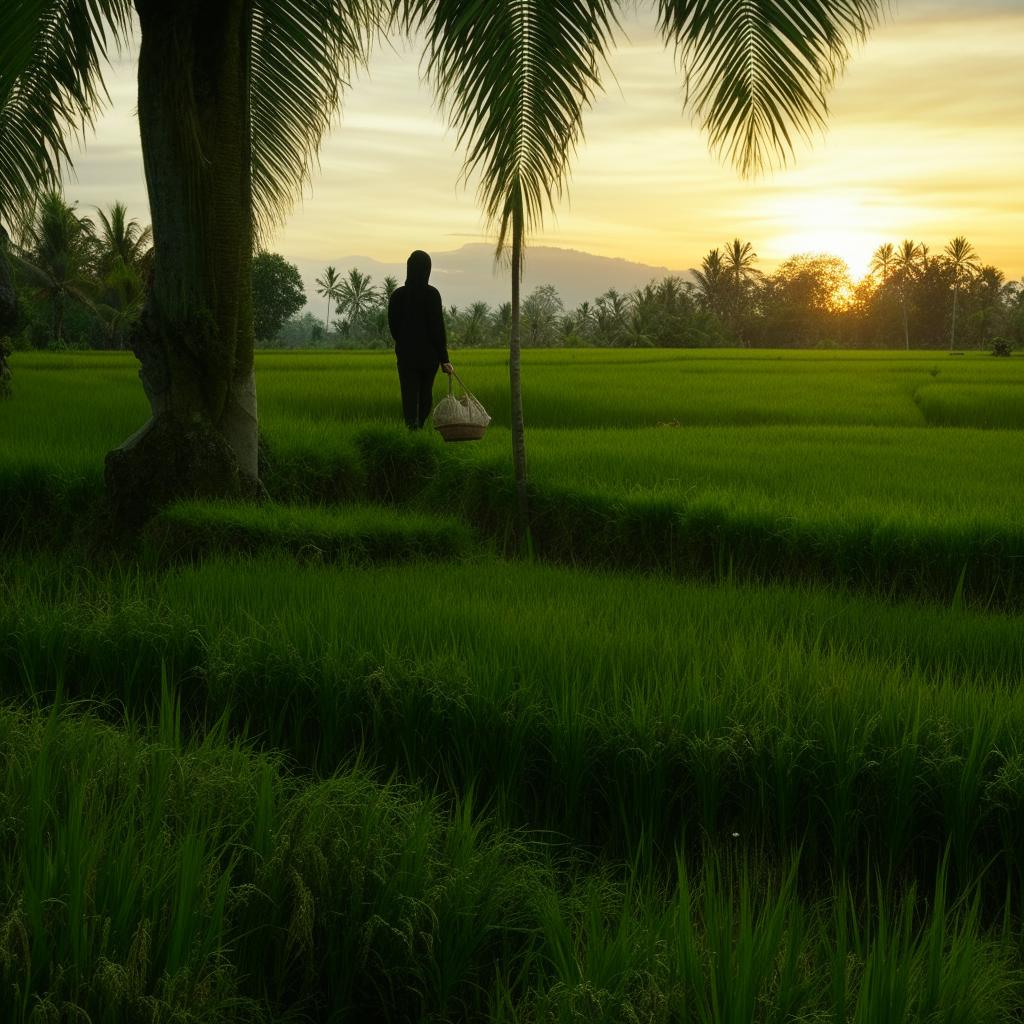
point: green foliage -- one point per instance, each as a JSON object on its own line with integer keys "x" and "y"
{"x": 757, "y": 73}
{"x": 277, "y": 293}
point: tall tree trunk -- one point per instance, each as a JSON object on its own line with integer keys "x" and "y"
{"x": 515, "y": 384}
{"x": 952, "y": 333}
{"x": 58, "y": 319}
{"x": 195, "y": 338}
{"x": 906, "y": 325}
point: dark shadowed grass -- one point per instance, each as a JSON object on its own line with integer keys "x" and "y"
{"x": 151, "y": 877}
{"x": 351, "y": 535}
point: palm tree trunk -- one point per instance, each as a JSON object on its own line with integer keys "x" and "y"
{"x": 515, "y": 385}
{"x": 327, "y": 322}
{"x": 58, "y": 319}
{"x": 952, "y": 333}
{"x": 906, "y": 325}
{"x": 195, "y": 337}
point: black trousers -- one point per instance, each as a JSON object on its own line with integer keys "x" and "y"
{"x": 417, "y": 395}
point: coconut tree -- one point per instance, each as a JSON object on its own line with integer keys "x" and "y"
{"x": 962, "y": 261}
{"x": 328, "y": 287}
{"x": 516, "y": 78}
{"x": 58, "y": 260}
{"x": 124, "y": 258}
{"x": 882, "y": 261}
{"x": 233, "y": 99}
{"x": 712, "y": 281}
{"x": 356, "y": 295}
{"x": 907, "y": 264}
{"x": 739, "y": 260}
{"x": 121, "y": 239}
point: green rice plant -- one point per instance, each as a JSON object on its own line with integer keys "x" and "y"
{"x": 994, "y": 404}
{"x": 202, "y": 882}
{"x": 625, "y": 714}
{"x": 352, "y": 535}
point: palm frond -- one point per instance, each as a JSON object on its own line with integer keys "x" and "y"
{"x": 302, "y": 53}
{"x": 515, "y": 78}
{"x": 51, "y": 86}
{"x": 757, "y": 71}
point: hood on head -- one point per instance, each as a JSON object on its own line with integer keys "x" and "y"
{"x": 417, "y": 269}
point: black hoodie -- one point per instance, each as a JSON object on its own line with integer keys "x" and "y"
{"x": 416, "y": 319}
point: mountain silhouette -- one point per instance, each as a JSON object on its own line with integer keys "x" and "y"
{"x": 468, "y": 274}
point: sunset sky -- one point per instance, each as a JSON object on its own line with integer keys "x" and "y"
{"x": 924, "y": 141}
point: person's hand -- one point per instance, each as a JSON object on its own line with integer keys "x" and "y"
{"x": 447, "y": 367}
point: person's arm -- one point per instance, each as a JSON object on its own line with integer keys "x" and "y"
{"x": 439, "y": 335}
{"x": 393, "y": 315}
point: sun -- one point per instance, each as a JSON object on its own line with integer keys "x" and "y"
{"x": 832, "y": 224}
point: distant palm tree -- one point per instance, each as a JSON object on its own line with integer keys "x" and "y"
{"x": 60, "y": 249}
{"x": 907, "y": 265}
{"x": 355, "y": 295}
{"x": 327, "y": 287}
{"x": 738, "y": 262}
{"x": 122, "y": 239}
{"x": 962, "y": 260}
{"x": 584, "y": 317}
{"x": 882, "y": 261}
{"x": 475, "y": 323}
{"x": 388, "y": 288}
{"x": 712, "y": 281}
{"x": 125, "y": 253}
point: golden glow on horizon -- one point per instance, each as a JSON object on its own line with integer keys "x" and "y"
{"x": 823, "y": 224}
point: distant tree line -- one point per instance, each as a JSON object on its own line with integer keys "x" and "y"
{"x": 910, "y": 299}
{"x": 81, "y": 282}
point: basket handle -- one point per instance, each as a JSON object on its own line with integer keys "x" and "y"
{"x": 459, "y": 379}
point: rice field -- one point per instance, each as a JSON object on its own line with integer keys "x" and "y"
{"x": 741, "y": 743}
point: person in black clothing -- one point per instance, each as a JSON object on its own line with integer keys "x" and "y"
{"x": 416, "y": 320}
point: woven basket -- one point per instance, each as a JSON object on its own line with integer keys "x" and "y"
{"x": 459, "y": 429}
{"x": 462, "y": 431}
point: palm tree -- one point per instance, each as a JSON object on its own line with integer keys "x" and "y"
{"x": 962, "y": 261}
{"x": 58, "y": 263}
{"x": 122, "y": 239}
{"x": 516, "y": 78}
{"x": 712, "y": 281}
{"x": 355, "y": 296}
{"x": 475, "y": 321}
{"x": 233, "y": 99}
{"x": 124, "y": 258}
{"x": 8, "y": 312}
{"x": 882, "y": 261}
{"x": 907, "y": 265}
{"x": 328, "y": 287}
{"x": 738, "y": 263}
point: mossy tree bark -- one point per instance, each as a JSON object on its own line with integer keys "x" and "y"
{"x": 195, "y": 338}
